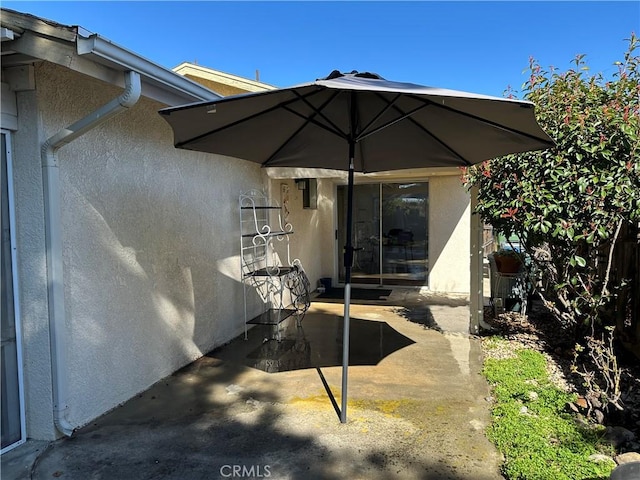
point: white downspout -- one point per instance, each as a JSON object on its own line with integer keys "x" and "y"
{"x": 53, "y": 233}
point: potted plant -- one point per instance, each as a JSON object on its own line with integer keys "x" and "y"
{"x": 508, "y": 260}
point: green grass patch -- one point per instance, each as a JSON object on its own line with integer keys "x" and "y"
{"x": 532, "y": 428}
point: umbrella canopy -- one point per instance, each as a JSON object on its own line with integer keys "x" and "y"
{"x": 391, "y": 125}
{"x": 358, "y": 122}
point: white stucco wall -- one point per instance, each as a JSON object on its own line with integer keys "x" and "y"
{"x": 313, "y": 241}
{"x": 150, "y": 245}
{"x": 32, "y": 270}
{"x": 151, "y": 240}
{"x": 9, "y": 108}
{"x": 449, "y": 223}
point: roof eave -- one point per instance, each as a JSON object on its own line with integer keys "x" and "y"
{"x": 186, "y": 68}
{"x": 157, "y": 82}
{"x": 38, "y": 39}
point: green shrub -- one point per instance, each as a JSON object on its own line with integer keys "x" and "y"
{"x": 568, "y": 204}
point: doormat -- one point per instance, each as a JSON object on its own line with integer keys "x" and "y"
{"x": 356, "y": 294}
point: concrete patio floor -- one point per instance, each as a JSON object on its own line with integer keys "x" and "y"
{"x": 420, "y": 413}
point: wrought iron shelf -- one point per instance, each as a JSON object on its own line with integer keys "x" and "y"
{"x": 266, "y": 235}
{"x": 262, "y": 207}
{"x": 266, "y": 266}
{"x": 273, "y": 316}
{"x": 270, "y": 272}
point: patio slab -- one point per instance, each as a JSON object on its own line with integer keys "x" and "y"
{"x": 420, "y": 412}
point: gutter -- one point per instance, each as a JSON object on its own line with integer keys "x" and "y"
{"x": 53, "y": 234}
{"x": 110, "y": 54}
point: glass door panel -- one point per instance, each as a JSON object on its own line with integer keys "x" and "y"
{"x": 405, "y": 240}
{"x": 366, "y": 232}
{"x": 389, "y": 233}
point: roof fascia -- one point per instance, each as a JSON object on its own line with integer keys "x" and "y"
{"x": 155, "y": 78}
{"x": 96, "y": 57}
{"x": 35, "y": 46}
{"x": 247, "y": 84}
{"x": 21, "y": 22}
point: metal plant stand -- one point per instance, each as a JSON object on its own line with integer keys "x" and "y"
{"x": 266, "y": 265}
{"x": 509, "y": 291}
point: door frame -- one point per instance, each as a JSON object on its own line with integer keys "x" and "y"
{"x": 16, "y": 296}
{"x": 338, "y": 249}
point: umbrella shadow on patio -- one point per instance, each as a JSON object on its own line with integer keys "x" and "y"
{"x": 315, "y": 343}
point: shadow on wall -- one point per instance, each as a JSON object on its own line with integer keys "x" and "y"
{"x": 144, "y": 292}
{"x": 143, "y": 226}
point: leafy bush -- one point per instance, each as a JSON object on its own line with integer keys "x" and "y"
{"x": 569, "y": 203}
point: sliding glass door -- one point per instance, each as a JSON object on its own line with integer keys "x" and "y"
{"x": 390, "y": 233}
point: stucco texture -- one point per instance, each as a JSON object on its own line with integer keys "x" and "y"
{"x": 449, "y": 240}
{"x": 32, "y": 270}
{"x": 449, "y": 223}
{"x": 313, "y": 239}
{"x": 150, "y": 245}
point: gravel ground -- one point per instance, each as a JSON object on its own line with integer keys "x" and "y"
{"x": 528, "y": 332}
{"x": 540, "y": 332}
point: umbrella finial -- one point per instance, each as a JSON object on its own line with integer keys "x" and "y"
{"x": 332, "y": 75}
{"x": 354, "y": 73}
{"x": 375, "y": 76}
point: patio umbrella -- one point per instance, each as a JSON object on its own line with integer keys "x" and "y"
{"x": 358, "y": 122}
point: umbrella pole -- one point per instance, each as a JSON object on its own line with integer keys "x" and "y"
{"x": 348, "y": 257}
{"x": 348, "y": 262}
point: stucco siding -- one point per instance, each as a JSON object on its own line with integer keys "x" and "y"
{"x": 31, "y": 267}
{"x": 313, "y": 239}
{"x": 150, "y": 245}
{"x": 449, "y": 223}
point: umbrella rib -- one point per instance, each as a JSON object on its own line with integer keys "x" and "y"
{"x": 441, "y": 142}
{"x": 408, "y": 116}
{"x": 403, "y": 116}
{"x": 382, "y": 112}
{"x": 484, "y": 120}
{"x": 245, "y": 119}
{"x": 318, "y": 111}
{"x": 307, "y": 121}
{"x": 336, "y": 132}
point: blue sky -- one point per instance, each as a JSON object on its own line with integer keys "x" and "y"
{"x": 476, "y": 46}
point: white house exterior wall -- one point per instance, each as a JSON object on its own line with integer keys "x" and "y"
{"x": 449, "y": 224}
{"x": 27, "y": 178}
{"x": 313, "y": 240}
{"x": 150, "y": 248}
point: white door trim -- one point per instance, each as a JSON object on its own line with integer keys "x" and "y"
{"x": 16, "y": 296}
